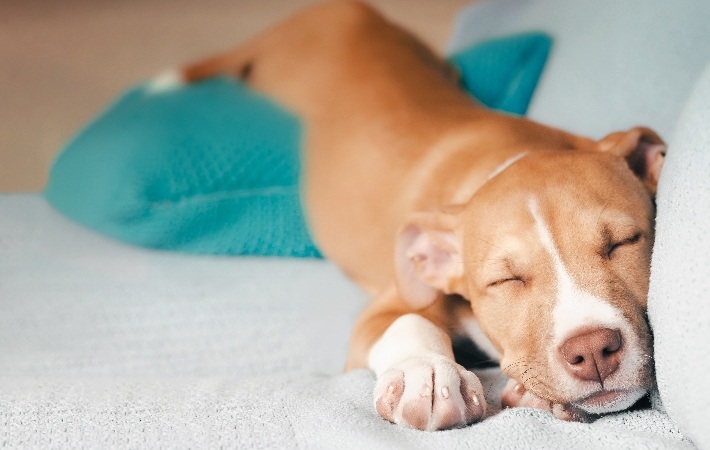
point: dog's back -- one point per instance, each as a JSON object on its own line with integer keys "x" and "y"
{"x": 382, "y": 115}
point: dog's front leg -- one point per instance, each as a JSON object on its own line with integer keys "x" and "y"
{"x": 419, "y": 384}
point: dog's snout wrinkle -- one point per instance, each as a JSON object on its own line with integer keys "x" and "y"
{"x": 593, "y": 355}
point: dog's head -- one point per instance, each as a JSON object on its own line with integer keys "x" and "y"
{"x": 554, "y": 254}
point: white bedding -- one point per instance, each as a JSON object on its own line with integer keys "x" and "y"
{"x": 103, "y": 345}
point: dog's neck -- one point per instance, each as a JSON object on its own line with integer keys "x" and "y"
{"x": 471, "y": 184}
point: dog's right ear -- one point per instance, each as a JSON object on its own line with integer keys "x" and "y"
{"x": 643, "y": 150}
{"x": 427, "y": 258}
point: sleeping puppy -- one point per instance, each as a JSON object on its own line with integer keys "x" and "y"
{"x": 462, "y": 223}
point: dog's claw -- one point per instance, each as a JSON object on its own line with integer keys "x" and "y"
{"x": 475, "y": 399}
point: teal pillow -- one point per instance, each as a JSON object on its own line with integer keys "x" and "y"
{"x": 213, "y": 167}
{"x": 502, "y": 73}
{"x": 210, "y": 168}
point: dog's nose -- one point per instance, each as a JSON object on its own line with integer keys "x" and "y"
{"x": 593, "y": 355}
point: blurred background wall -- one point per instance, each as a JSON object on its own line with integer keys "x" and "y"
{"x": 62, "y": 61}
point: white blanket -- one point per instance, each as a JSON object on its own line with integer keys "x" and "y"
{"x": 105, "y": 345}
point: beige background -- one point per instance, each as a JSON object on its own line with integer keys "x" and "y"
{"x": 61, "y": 61}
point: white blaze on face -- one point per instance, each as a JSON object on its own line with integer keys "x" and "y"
{"x": 576, "y": 309}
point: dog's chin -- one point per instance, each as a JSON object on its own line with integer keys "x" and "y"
{"x": 603, "y": 402}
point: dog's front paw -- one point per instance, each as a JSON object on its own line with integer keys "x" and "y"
{"x": 429, "y": 393}
{"x": 515, "y": 395}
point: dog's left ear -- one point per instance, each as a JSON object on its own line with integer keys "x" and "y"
{"x": 428, "y": 258}
{"x": 643, "y": 150}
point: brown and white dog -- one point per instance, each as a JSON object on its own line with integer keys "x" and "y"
{"x": 462, "y": 222}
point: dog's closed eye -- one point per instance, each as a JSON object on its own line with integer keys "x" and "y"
{"x": 509, "y": 280}
{"x": 613, "y": 246}
{"x": 505, "y": 272}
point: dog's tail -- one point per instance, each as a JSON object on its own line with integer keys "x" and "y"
{"x": 237, "y": 63}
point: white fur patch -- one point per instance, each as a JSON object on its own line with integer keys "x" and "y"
{"x": 575, "y": 308}
{"x": 167, "y": 81}
{"x": 410, "y": 336}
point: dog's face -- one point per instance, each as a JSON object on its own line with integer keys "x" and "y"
{"x": 560, "y": 284}
{"x": 554, "y": 255}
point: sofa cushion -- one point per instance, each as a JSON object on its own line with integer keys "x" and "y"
{"x": 679, "y": 297}
{"x": 614, "y": 64}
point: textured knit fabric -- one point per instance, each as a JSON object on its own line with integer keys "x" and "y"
{"x": 210, "y": 168}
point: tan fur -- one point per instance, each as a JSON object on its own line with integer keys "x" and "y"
{"x": 389, "y": 135}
